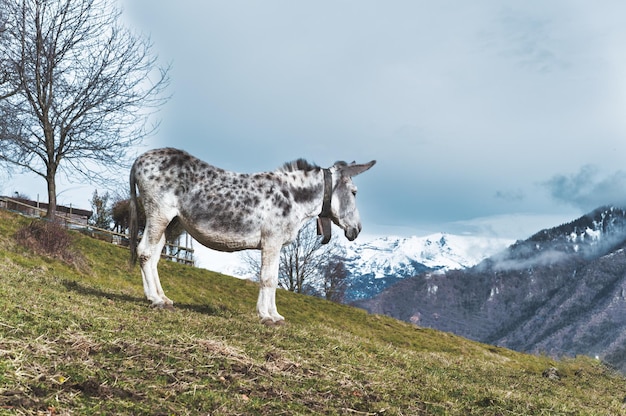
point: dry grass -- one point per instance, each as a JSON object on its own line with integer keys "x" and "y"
{"x": 50, "y": 239}
{"x": 74, "y": 343}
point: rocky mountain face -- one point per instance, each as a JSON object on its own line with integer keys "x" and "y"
{"x": 380, "y": 263}
{"x": 560, "y": 292}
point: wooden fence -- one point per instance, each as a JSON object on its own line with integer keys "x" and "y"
{"x": 69, "y": 217}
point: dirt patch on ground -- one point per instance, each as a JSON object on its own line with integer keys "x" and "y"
{"x": 94, "y": 388}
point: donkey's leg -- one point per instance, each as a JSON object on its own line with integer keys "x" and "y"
{"x": 266, "y": 304}
{"x": 153, "y": 263}
{"x": 149, "y": 253}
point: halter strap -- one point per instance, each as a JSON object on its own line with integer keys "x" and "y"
{"x": 323, "y": 219}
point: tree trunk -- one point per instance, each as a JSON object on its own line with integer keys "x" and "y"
{"x": 52, "y": 192}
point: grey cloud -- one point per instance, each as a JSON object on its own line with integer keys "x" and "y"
{"x": 512, "y": 195}
{"x": 466, "y": 105}
{"x": 527, "y": 39}
{"x": 589, "y": 188}
{"x": 543, "y": 259}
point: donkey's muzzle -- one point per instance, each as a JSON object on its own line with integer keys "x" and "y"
{"x": 353, "y": 232}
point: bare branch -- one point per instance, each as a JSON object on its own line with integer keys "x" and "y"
{"x": 76, "y": 88}
{"x": 307, "y": 266}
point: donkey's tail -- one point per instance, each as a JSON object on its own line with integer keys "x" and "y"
{"x": 133, "y": 223}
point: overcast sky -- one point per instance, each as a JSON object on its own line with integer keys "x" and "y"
{"x": 484, "y": 116}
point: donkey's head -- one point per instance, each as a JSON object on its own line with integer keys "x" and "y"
{"x": 343, "y": 210}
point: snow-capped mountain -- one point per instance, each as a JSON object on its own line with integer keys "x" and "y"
{"x": 560, "y": 292}
{"x": 592, "y": 233}
{"x": 397, "y": 256}
{"x": 379, "y": 263}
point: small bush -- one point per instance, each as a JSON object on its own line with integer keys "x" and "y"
{"x": 47, "y": 238}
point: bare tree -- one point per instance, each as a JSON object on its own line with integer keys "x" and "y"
{"x": 335, "y": 279}
{"x": 307, "y": 266}
{"x": 8, "y": 123}
{"x": 78, "y": 90}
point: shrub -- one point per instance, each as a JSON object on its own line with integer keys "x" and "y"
{"x": 47, "y": 238}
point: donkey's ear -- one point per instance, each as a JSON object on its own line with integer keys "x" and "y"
{"x": 353, "y": 169}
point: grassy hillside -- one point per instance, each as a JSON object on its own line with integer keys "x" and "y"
{"x": 81, "y": 339}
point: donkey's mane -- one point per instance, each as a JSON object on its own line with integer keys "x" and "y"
{"x": 299, "y": 165}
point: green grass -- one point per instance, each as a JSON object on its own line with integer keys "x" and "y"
{"x": 81, "y": 339}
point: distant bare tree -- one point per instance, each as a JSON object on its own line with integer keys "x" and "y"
{"x": 335, "y": 279}
{"x": 77, "y": 89}
{"x": 308, "y": 266}
{"x": 121, "y": 213}
{"x": 302, "y": 260}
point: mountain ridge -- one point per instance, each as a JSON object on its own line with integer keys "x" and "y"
{"x": 561, "y": 292}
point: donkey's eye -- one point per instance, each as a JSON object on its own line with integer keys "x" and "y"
{"x": 354, "y": 192}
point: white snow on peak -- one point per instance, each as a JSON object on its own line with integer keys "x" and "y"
{"x": 594, "y": 234}
{"x": 590, "y": 235}
{"x": 397, "y": 256}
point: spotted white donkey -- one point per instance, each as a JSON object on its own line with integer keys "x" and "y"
{"x": 229, "y": 211}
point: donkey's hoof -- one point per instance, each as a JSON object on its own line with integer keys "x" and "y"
{"x": 162, "y": 305}
{"x": 271, "y": 322}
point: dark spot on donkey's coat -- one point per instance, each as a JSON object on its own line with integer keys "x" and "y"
{"x": 306, "y": 194}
